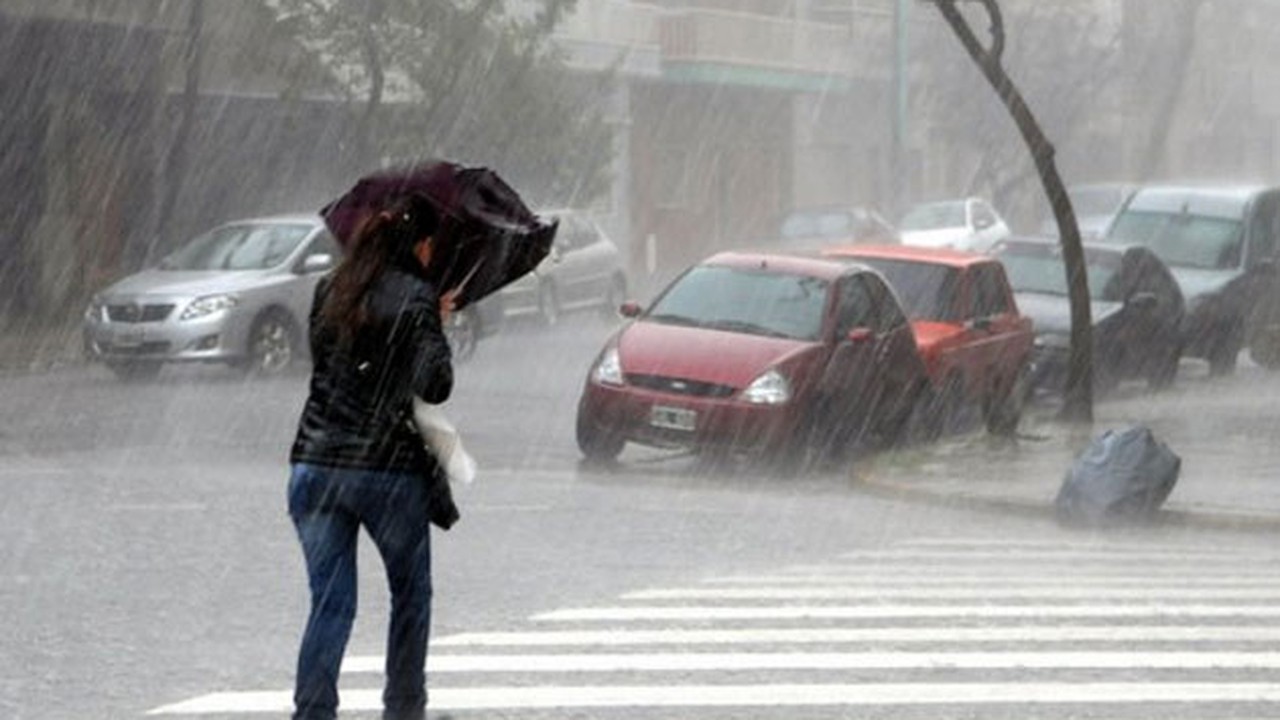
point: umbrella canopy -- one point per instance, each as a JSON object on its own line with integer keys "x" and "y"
{"x": 488, "y": 237}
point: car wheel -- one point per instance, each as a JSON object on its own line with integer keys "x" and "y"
{"x": 1264, "y": 340}
{"x": 943, "y": 408}
{"x": 134, "y": 370}
{"x": 598, "y": 445}
{"x": 272, "y": 345}
{"x": 463, "y": 333}
{"x": 548, "y": 304}
{"x": 1225, "y": 353}
{"x": 1004, "y": 407}
{"x": 614, "y": 298}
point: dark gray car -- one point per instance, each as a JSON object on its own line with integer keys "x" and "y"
{"x": 240, "y": 294}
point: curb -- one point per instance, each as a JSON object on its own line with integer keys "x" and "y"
{"x": 1205, "y": 520}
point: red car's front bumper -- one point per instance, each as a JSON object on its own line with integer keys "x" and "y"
{"x": 663, "y": 419}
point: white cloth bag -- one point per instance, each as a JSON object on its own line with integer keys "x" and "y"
{"x": 443, "y": 442}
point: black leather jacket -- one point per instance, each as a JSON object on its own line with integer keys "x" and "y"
{"x": 359, "y": 410}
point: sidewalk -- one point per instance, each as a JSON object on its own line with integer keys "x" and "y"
{"x": 1226, "y": 430}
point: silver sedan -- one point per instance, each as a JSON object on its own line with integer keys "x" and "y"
{"x": 239, "y": 294}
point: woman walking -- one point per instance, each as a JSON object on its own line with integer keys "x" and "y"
{"x": 376, "y": 341}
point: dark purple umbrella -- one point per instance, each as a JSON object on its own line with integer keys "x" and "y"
{"x": 488, "y": 237}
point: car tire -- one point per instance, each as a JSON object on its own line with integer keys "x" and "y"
{"x": 1226, "y": 352}
{"x": 463, "y": 333}
{"x": 134, "y": 370}
{"x": 1003, "y": 409}
{"x": 611, "y": 309}
{"x": 597, "y": 444}
{"x": 272, "y": 347}
{"x": 548, "y": 304}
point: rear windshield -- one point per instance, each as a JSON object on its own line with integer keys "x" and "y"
{"x": 239, "y": 247}
{"x": 934, "y": 216}
{"x": 756, "y": 302}
{"x": 926, "y": 291}
{"x": 1182, "y": 239}
{"x": 1039, "y": 269}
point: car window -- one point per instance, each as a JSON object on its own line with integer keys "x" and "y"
{"x": 933, "y": 216}
{"x": 854, "y": 307}
{"x": 1039, "y": 269}
{"x": 989, "y": 296}
{"x": 756, "y": 302}
{"x": 927, "y": 291}
{"x": 239, "y": 247}
{"x": 325, "y": 244}
{"x": 1182, "y": 239}
{"x": 576, "y": 232}
{"x": 983, "y": 216}
{"x": 886, "y": 315}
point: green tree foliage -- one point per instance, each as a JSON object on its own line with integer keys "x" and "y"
{"x": 477, "y": 81}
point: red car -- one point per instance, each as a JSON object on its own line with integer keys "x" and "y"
{"x": 761, "y": 352}
{"x": 975, "y": 344}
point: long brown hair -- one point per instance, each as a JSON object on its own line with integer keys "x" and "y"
{"x": 385, "y": 239}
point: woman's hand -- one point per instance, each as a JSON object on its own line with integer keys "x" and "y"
{"x": 448, "y": 303}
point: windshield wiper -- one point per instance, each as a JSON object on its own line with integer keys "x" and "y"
{"x": 674, "y": 319}
{"x": 747, "y": 327}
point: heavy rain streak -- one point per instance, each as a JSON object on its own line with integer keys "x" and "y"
{"x": 819, "y": 359}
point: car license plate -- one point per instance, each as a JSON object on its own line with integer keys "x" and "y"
{"x": 130, "y": 338}
{"x": 671, "y": 418}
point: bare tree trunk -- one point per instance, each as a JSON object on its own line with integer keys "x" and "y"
{"x": 175, "y": 171}
{"x": 1078, "y": 394}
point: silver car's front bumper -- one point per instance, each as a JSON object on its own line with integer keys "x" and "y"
{"x": 217, "y": 337}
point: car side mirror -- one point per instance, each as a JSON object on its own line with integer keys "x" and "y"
{"x": 630, "y": 309}
{"x": 860, "y": 335}
{"x": 318, "y": 263}
{"x": 1144, "y": 301}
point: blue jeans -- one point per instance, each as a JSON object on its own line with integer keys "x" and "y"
{"x": 328, "y": 506}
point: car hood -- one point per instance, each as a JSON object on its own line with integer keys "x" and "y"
{"x": 701, "y": 354}
{"x": 956, "y": 237}
{"x": 185, "y": 283}
{"x": 1051, "y": 314}
{"x": 1195, "y": 281}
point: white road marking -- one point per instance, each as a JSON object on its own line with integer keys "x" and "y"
{"x": 835, "y": 635}
{"x": 758, "y": 695}
{"x": 813, "y": 612}
{"x": 704, "y": 661}
{"x": 881, "y": 578}
{"x": 990, "y": 591}
{"x": 1109, "y": 554}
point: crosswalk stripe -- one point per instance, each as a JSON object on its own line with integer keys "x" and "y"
{"x": 836, "y": 635}
{"x": 880, "y": 579}
{"x": 759, "y": 695}
{"x": 813, "y": 612}
{"x": 706, "y": 661}
{"x": 994, "y": 592}
{"x": 1109, "y": 555}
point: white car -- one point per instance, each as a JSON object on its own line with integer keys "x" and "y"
{"x": 969, "y": 224}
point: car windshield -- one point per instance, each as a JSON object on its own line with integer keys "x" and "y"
{"x": 756, "y": 302}
{"x": 933, "y": 216}
{"x": 926, "y": 291}
{"x": 1038, "y": 269}
{"x": 814, "y": 223}
{"x": 239, "y": 247}
{"x": 1182, "y": 239}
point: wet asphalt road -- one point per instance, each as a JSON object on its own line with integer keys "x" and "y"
{"x": 145, "y": 555}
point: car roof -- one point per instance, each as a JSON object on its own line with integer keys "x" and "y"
{"x": 1226, "y": 200}
{"x": 909, "y": 253}
{"x": 790, "y": 263}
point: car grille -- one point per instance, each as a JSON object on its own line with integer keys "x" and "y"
{"x": 680, "y": 386}
{"x": 138, "y": 313}
{"x": 148, "y": 348}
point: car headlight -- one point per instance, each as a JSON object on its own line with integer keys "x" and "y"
{"x": 770, "y": 388}
{"x": 609, "y": 370}
{"x": 208, "y": 305}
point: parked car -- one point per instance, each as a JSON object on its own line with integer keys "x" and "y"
{"x": 975, "y": 343}
{"x": 1220, "y": 244}
{"x": 967, "y": 224}
{"x": 1135, "y": 304}
{"x": 809, "y": 228}
{"x": 769, "y": 353}
{"x": 583, "y": 271}
{"x": 1095, "y": 205}
{"x": 239, "y": 294}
